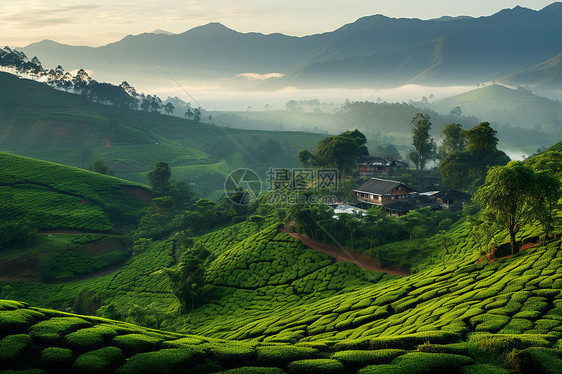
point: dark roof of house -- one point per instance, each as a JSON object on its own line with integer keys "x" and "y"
{"x": 380, "y": 186}
{"x": 451, "y": 194}
{"x": 401, "y": 206}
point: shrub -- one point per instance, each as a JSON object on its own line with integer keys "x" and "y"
{"x": 411, "y": 341}
{"x": 51, "y": 330}
{"x": 136, "y": 343}
{"x": 56, "y": 358}
{"x": 357, "y": 359}
{"x": 233, "y": 354}
{"x": 13, "y": 346}
{"x": 100, "y": 361}
{"x": 163, "y": 361}
{"x": 283, "y": 355}
{"x": 455, "y": 348}
{"x": 18, "y": 321}
{"x": 317, "y": 366}
{"x": 545, "y": 360}
{"x": 420, "y": 362}
{"x": 84, "y": 340}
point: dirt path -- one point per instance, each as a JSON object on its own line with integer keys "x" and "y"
{"x": 342, "y": 254}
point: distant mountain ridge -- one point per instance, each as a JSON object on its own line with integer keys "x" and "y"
{"x": 464, "y": 50}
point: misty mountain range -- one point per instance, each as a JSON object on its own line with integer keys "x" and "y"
{"x": 514, "y": 46}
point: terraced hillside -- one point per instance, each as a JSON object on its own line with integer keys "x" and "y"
{"x": 52, "y": 199}
{"x": 46, "y": 341}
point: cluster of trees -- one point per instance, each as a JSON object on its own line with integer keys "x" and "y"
{"x": 516, "y": 195}
{"x": 339, "y": 152}
{"x": 365, "y": 233}
{"x": 467, "y": 155}
{"x": 19, "y": 61}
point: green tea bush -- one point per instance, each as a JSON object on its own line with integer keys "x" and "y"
{"x": 230, "y": 355}
{"x": 318, "y": 366}
{"x": 283, "y": 355}
{"x": 164, "y": 361}
{"x": 53, "y": 358}
{"x": 100, "y": 361}
{"x": 18, "y": 320}
{"x": 52, "y": 330}
{"x": 136, "y": 343}
{"x": 420, "y": 362}
{"x": 13, "y": 347}
{"x": 84, "y": 340}
{"x": 357, "y": 359}
{"x": 411, "y": 341}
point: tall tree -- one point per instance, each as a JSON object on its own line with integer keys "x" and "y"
{"x": 453, "y": 139}
{"x": 159, "y": 179}
{"x": 481, "y": 137}
{"x": 169, "y": 108}
{"x": 342, "y": 151}
{"x": 339, "y": 152}
{"x": 507, "y": 197}
{"x": 424, "y": 145}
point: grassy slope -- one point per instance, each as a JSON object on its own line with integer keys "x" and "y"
{"x": 496, "y": 103}
{"x": 57, "y": 197}
{"x": 40, "y": 122}
{"x": 462, "y": 319}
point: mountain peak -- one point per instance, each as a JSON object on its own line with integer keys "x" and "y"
{"x": 162, "y": 32}
{"x": 213, "y": 27}
{"x": 554, "y": 6}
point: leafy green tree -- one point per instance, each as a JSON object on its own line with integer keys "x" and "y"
{"x": 159, "y": 179}
{"x": 169, "y": 108}
{"x": 341, "y": 151}
{"x": 453, "y": 140}
{"x": 424, "y": 145}
{"x": 481, "y": 138}
{"x": 99, "y": 166}
{"x": 550, "y": 161}
{"x": 462, "y": 169}
{"x": 188, "y": 278}
{"x": 507, "y": 197}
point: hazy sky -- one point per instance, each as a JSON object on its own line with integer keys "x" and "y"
{"x": 80, "y": 22}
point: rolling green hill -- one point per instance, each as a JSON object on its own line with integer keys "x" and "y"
{"x": 40, "y": 122}
{"x": 464, "y": 318}
{"x": 95, "y": 210}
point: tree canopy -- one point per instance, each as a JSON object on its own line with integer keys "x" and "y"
{"x": 159, "y": 179}
{"x": 424, "y": 146}
{"x": 465, "y": 169}
{"x": 515, "y": 194}
{"x": 338, "y": 152}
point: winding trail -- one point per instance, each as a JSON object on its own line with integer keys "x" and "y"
{"x": 342, "y": 254}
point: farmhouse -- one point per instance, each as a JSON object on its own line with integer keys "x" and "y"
{"x": 379, "y": 191}
{"x": 451, "y": 199}
{"x": 377, "y": 166}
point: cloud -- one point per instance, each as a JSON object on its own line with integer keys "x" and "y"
{"x": 44, "y": 16}
{"x": 256, "y": 76}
